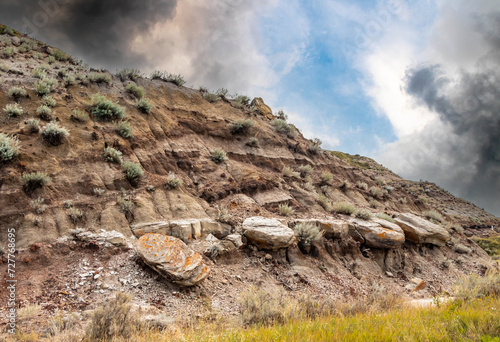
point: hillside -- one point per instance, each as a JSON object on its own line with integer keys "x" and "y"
{"x": 270, "y": 167}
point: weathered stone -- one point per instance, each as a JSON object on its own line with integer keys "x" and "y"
{"x": 462, "y": 249}
{"x": 332, "y": 228}
{"x": 271, "y": 197}
{"x": 172, "y": 258}
{"x": 388, "y": 225}
{"x": 182, "y": 229}
{"x": 268, "y": 233}
{"x": 416, "y": 284}
{"x": 106, "y": 238}
{"x": 219, "y": 230}
{"x": 262, "y": 108}
{"x": 375, "y": 235}
{"x": 161, "y": 227}
{"x": 236, "y": 239}
{"x": 420, "y": 230}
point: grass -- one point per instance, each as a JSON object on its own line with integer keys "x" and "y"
{"x": 361, "y": 185}
{"x": 13, "y": 110}
{"x": 9, "y": 147}
{"x": 135, "y": 90}
{"x": 17, "y": 92}
{"x": 104, "y": 109}
{"x": 241, "y": 126}
{"x": 324, "y": 202}
{"x": 44, "y": 112}
{"x": 53, "y": 134}
{"x": 49, "y": 101}
{"x": 42, "y": 87}
{"x": 283, "y": 127}
{"x": 211, "y": 97}
{"x": 38, "y": 206}
{"x": 124, "y": 129}
{"x": 343, "y": 208}
{"x": 307, "y": 233}
{"x": 285, "y": 210}
{"x": 144, "y": 106}
{"x": 34, "y": 180}
{"x": 305, "y": 170}
{"x": 252, "y": 142}
{"x": 363, "y": 214}
{"x": 385, "y": 217}
{"x": 79, "y": 116}
{"x": 131, "y": 74}
{"x": 491, "y": 245}
{"x": 133, "y": 172}
{"x": 218, "y": 156}
{"x": 433, "y": 215}
{"x": 175, "y": 78}
{"x": 39, "y": 73}
{"x": 99, "y": 77}
{"x": 173, "y": 182}
{"x": 8, "y": 52}
{"x": 326, "y": 178}
{"x": 112, "y": 155}
{"x": 288, "y": 172}
{"x": 33, "y": 125}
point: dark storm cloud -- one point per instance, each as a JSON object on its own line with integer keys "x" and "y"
{"x": 470, "y": 106}
{"x": 100, "y": 31}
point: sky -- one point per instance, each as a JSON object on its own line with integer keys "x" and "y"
{"x": 410, "y": 83}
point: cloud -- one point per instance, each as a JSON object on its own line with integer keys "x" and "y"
{"x": 459, "y": 147}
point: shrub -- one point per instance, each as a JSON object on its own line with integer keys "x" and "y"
{"x": 113, "y": 320}
{"x": 131, "y": 74}
{"x": 363, "y": 214}
{"x": 433, "y": 215}
{"x": 42, "y": 87}
{"x": 112, "y": 155}
{"x": 377, "y": 192}
{"x": 241, "y": 126}
{"x": 106, "y": 110}
{"x": 285, "y": 210}
{"x": 222, "y": 92}
{"x": 288, "y": 172}
{"x": 155, "y": 75}
{"x": 343, "y": 208}
{"x": 242, "y": 100}
{"x": 309, "y": 186}
{"x": 345, "y": 185}
{"x": 379, "y": 181}
{"x": 17, "y": 92}
{"x": 144, "y": 105}
{"x": 210, "y": 97}
{"x": 375, "y": 204}
{"x": 124, "y": 129}
{"x": 8, "y": 52}
{"x": 126, "y": 205}
{"x": 307, "y": 233}
{"x": 135, "y": 90}
{"x": 35, "y": 180}
{"x": 252, "y": 142}
{"x": 13, "y": 110}
{"x": 50, "y": 59}
{"x": 324, "y": 202}
{"x": 99, "y": 77}
{"x": 305, "y": 170}
{"x": 49, "y": 101}
{"x": 362, "y": 185}
{"x": 39, "y": 73}
{"x": 99, "y": 191}
{"x": 9, "y": 147}
{"x": 33, "y": 125}
{"x": 68, "y": 204}
{"x": 79, "y": 116}
{"x": 218, "y": 156}
{"x": 172, "y": 181}
{"x": 69, "y": 80}
{"x": 281, "y": 115}
{"x": 314, "y": 149}
{"x": 403, "y": 200}
{"x": 53, "y": 134}
{"x": 44, "y": 112}
{"x": 476, "y": 286}
{"x": 38, "y": 206}
{"x": 282, "y": 127}
{"x": 75, "y": 214}
{"x": 326, "y": 178}
{"x": 133, "y": 172}
{"x": 176, "y": 79}
{"x": 59, "y": 54}
{"x": 223, "y": 215}
{"x": 386, "y": 217}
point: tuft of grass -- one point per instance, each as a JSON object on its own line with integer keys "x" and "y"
{"x": 99, "y": 77}
{"x": 59, "y": 54}
{"x": 34, "y": 180}
{"x": 39, "y": 73}
{"x": 75, "y": 214}
{"x": 345, "y": 185}
{"x": 252, "y": 142}
{"x": 361, "y": 185}
{"x": 104, "y": 109}
{"x": 131, "y": 74}
{"x": 53, "y": 134}
{"x": 98, "y": 191}
{"x": 124, "y": 129}
{"x": 144, "y": 106}
{"x": 285, "y": 210}
{"x": 113, "y": 320}
{"x": 324, "y": 202}
{"x": 38, "y": 206}
{"x": 173, "y": 182}
{"x": 49, "y": 101}
{"x": 44, "y": 112}
{"x": 282, "y": 127}
{"x": 33, "y": 125}
{"x": 241, "y": 101}
{"x": 305, "y": 170}
{"x": 8, "y": 52}
{"x": 13, "y": 110}
{"x": 491, "y": 245}
{"x": 326, "y": 178}
{"x": 17, "y": 92}
{"x": 307, "y": 233}
{"x": 377, "y": 192}
{"x": 218, "y": 156}
{"x": 288, "y": 172}
{"x": 135, "y": 90}
{"x": 112, "y": 155}
{"x": 281, "y": 115}
{"x": 223, "y": 215}
{"x": 241, "y": 126}
{"x": 433, "y": 215}
{"x": 343, "y": 208}
{"x": 133, "y": 172}
{"x": 69, "y": 80}
{"x": 9, "y": 147}
{"x": 375, "y": 204}
{"x": 210, "y": 97}
{"x": 175, "y": 78}
{"x": 475, "y": 286}
{"x": 386, "y": 217}
{"x": 43, "y": 87}
{"x": 126, "y": 205}
{"x": 363, "y": 214}
{"x": 79, "y": 116}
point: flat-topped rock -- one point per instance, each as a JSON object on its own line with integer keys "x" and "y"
{"x": 186, "y": 229}
{"x": 331, "y": 227}
{"x": 267, "y": 233}
{"x": 420, "y": 230}
{"x": 172, "y": 258}
{"x": 375, "y": 235}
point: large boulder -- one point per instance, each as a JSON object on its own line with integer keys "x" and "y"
{"x": 267, "y": 233}
{"x": 262, "y": 108}
{"x": 172, "y": 258}
{"x": 374, "y": 235}
{"x": 420, "y": 230}
{"x": 186, "y": 229}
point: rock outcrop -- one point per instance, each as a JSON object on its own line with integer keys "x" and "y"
{"x": 104, "y": 238}
{"x": 373, "y": 234}
{"x": 172, "y": 258}
{"x": 267, "y": 233}
{"x": 185, "y": 230}
{"x": 419, "y": 230}
{"x": 332, "y": 228}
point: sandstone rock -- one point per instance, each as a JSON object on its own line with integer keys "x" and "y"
{"x": 160, "y": 227}
{"x": 375, "y": 235}
{"x": 106, "y": 238}
{"x": 420, "y": 230}
{"x": 333, "y": 228}
{"x": 172, "y": 258}
{"x": 219, "y": 230}
{"x": 185, "y": 230}
{"x": 262, "y": 108}
{"x": 271, "y": 197}
{"x": 267, "y": 233}
{"x": 236, "y": 239}
{"x": 388, "y": 225}
{"x": 462, "y": 249}
{"x": 416, "y": 284}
